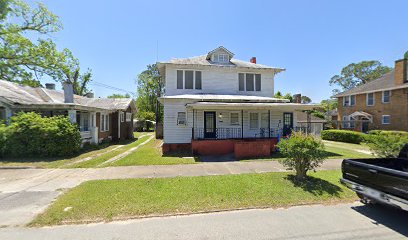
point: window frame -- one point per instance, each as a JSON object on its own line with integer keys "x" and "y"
{"x": 254, "y": 81}
{"x": 104, "y": 123}
{"x": 257, "y": 121}
{"x": 178, "y": 119}
{"x": 350, "y": 102}
{"x": 225, "y": 58}
{"x": 383, "y": 122}
{"x": 383, "y": 95}
{"x": 183, "y": 80}
{"x": 128, "y": 117}
{"x": 235, "y": 123}
{"x": 368, "y": 98}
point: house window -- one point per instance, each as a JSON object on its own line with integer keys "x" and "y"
{"x": 128, "y": 117}
{"x": 84, "y": 122}
{"x": 181, "y": 118}
{"x": 386, "y": 119}
{"x": 352, "y": 100}
{"x": 234, "y": 118}
{"x": 346, "y": 123}
{"x": 253, "y": 121}
{"x": 122, "y": 117}
{"x": 104, "y": 122}
{"x": 249, "y": 82}
{"x": 189, "y": 79}
{"x": 386, "y": 96}
{"x": 221, "y": 58}
{"x": 370, "y": 99}
{"x": 349, "y": 101}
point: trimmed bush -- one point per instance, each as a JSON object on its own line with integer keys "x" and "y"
{"x": 386, "y": 143}
{"x": 3, "y": 130}
{"x": 397, "y": 133}
{"x": 302, "y": 152}
{"x": 30, "y": 135}
{"x": 343, "y": 136}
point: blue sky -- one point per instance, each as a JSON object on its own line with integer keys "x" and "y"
{"x": 313, "y": 40}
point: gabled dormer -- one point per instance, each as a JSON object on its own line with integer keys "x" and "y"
{"x": 220, "y": 55}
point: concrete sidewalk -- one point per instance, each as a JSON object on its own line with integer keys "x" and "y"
{"x": 26, "y": 192}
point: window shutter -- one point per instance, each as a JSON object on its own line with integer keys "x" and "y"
{"x": 198, "y": 80}
{"x": 250, "y": 82}
{"x": 179, "y": 79}
{"x": 241, "y": 78}
{"x": 258, "y": 82}
{"x": 188, "y": 76}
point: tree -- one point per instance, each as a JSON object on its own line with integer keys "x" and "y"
{"x": 116, "y": 95}
{"x": 306, "y": 99}
{"x": 356, "y": 74}
{"x": 149, "y": 88}
{"x": 279, "y": 95}
{"x": 25, "y": 61}
{"x": 329, "y": 104}
{"x": 302, "y": 152}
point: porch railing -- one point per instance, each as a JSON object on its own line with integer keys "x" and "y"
{"x": 235, "y": 133}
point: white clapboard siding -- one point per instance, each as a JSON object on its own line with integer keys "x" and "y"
{"x": 219, "y": 81}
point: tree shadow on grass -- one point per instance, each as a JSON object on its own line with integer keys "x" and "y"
{"x": 328, "y": 154}
{"x": 182, "y": 154}
{"x": 316, "y": 186}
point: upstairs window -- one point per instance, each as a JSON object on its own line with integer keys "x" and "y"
{"x": 189, "y": 79}
{"x": 349, "y": 101}
{"x": 249, "y": 82}
{"x": 221, "y": 58}
{"x": 370, "y": 99}
{"x": 386, "y": 96}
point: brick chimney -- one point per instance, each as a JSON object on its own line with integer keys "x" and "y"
{"x": 297, "y": 98}
{"x": 253, "y": 60}
{"x": 401, "y": 70}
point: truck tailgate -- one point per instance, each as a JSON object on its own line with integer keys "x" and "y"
{"x": 387, "y": 180}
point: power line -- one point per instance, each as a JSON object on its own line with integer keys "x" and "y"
{"x": 98, "y": 84}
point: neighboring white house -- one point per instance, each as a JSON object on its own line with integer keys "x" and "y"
{"x": 216, "y": 97}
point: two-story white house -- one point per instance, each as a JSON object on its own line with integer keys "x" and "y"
{"x": 215, "y": 104}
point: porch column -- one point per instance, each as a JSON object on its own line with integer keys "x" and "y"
{"x": 72, "y": 116}
{"x": 269, "y": 123}
{"x": 242, "y": 124}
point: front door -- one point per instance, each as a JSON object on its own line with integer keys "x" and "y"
{"x": 209, "y": 125}
{"x": 364, "y": 127}
{"x": 287, "y": 123}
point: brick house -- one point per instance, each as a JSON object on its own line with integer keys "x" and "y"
{"x": 379, "y": 104}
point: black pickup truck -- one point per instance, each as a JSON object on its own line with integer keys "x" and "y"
{"x": 382, "y": 180}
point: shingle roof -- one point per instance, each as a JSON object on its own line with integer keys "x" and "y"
{"x": 234, "y": 63}
{"x": 385, "y": 82}
{"x": 24, "y": 95}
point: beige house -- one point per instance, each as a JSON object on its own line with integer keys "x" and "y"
{"x": 379, "y": 104}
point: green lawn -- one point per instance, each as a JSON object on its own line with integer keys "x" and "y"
{"x": 98, "y": 155}
{"x": 151, "y": 154}
{"x": 105, "y": 200}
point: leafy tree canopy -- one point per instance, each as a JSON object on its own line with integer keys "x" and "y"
{"x": 117, "y": 95}
{"x": 306, "y": 99}
{"x": 149, "y": 88}
{"x": 25, "y": 61}
{"x": 356, "y": 74}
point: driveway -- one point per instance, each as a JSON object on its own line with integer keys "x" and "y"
{"x": 344, "y": 221}
{"x": 26, "y": 192}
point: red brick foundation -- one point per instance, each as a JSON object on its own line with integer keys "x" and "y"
{"x": 212, "y": 147}
{"x": 175, "y": 147}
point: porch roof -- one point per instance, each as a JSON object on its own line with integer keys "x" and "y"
{"x": 255, "y": 105}
{"x": 225, "y": 98}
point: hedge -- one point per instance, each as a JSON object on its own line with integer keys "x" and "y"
{"x": 343, "y": 136}
{"x": 383, "y": 132}
{"x": 30, "y": 135}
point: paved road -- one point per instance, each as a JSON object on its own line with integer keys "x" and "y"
{"x": 345, "y": 221}
{"x": 26, "y": 192}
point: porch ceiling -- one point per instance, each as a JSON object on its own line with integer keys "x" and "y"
{"x": 257, "y": 105}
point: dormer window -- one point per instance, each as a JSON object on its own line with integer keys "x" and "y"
{"x": 221, "y": 58}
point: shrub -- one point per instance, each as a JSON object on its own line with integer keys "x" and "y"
{"x": 343, "y": 136}
{"x": 3, "y": 133}
{"x": 387, "y": 143}
{"x": 302, "y": 152}
{"x": 29, "y": 134}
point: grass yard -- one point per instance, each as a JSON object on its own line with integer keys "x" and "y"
{"x": 105, "y": 200}
{"x": 105, "y": 152}
{"x": 151, "y": 154}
